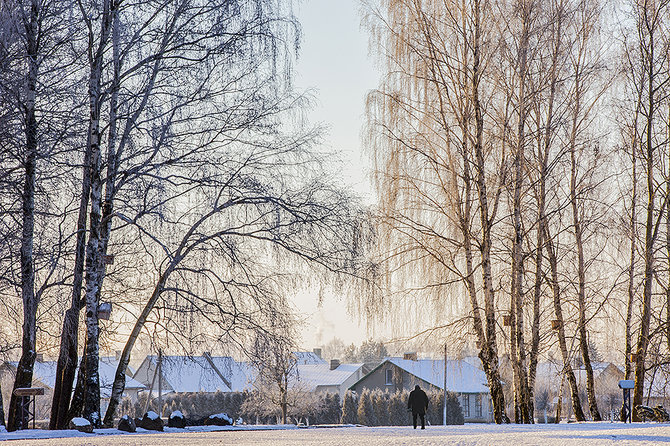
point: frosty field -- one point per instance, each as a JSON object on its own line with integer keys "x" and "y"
{"x": 472, "y": 434}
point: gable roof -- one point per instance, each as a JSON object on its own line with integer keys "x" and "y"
{"x": 240, "y": 375}
{"x": 199, "y": 373}
{"x": 553, "y": 370}
{"x": 184, "y": 374}
{"x": 45, "y": 372}
{"x": 305, "y": 358}
{"x": 314, "y": 375}
{"x": 107, "y": 371}
{"x": 462, "y": 377}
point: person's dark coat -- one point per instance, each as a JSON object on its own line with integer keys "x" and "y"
{"x": 418, "y": 401}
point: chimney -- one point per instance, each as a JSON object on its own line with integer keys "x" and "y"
{"x": 334, "y": 363}
{"x": 117, "y": 355}
{"x": 39, "y": 357}
{"x": 317, "y": 352}
{"x": 410, "y": 356}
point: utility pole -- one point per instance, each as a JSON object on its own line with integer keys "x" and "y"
{"x": 444, "y": 410}
{"x": 160, "y": 383}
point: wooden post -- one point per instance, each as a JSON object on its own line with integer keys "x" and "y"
{"x": 151, "y": 388}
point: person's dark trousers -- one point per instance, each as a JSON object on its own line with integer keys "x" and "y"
{"x": 423, "y": 419}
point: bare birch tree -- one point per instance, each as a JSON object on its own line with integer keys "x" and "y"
{"x": 34, "y": 36}
{"x": 648, "y": 74}
{"x": 587, "y": 69}
{"x": 272, "y": 356}
{"x": 438, "y": 175}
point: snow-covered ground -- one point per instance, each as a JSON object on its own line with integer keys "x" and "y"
{"x": 582, "y": 434}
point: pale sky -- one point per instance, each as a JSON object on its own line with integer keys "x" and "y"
{"x": 334, "y": 62}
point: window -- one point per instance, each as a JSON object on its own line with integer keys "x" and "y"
{"x": 389, "y": 377}
{"x": 478, "y": 406}
{"x": 465, "y": 405}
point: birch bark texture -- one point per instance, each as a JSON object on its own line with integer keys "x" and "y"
{"x": 470, "y": 135}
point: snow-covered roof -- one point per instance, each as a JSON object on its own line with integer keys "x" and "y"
{"x": 551, "y": 371}
{"x": 240, "y": 375}
{"x": 185, "y": 374}
{"x": 130, "y": 370}
{"x": 107, "y": 371}
{"x": 198, "y": 374}
{"x": 45, "y": 372}
{"x": 308, "y": 358}
{"x": 462, "y": 377}
{"x": 313, "y": 375}
{"x": 657, "y": 382}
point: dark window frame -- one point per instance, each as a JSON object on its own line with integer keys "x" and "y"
{"x": 478, "y": 405}
{"x": 465, "y": 405}
{"x": 388, "y": 377}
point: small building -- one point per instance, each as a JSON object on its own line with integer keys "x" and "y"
{"x": 208, "y": 374}
{"x": 331, "y": 378}
{"x": 107, "y": 370}
{"x": 237, "y": 375}
{"x": 657, "y": 387}
{"x": 44, "y": 375}
{"x": 463, "y": 379}
{"x": 549, "y": 375}
{"x": 304, "y": 358}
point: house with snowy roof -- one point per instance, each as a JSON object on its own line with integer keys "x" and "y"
{"x": 657, "y": 386}
{"x": 462, "y": 378}
{"x": 549, "y": 376}
{"x": 107, "y": 369}
{"x": 313, "y": 357}
{"x": 330, "y": 377}
{"x": 44, "y": 375}
{"x": 206, "y": 373}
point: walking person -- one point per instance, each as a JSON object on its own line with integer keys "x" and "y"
{"x": 418, "y": 403}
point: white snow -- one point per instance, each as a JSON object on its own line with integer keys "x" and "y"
{"x": 80, "y": 422}
{"x": 222, "y": 416}
{"x": 152, "y": 415}
{"x": 572, "y": 434}
{"x": 177, "y": 413}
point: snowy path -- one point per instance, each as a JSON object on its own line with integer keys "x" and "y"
{"x": 512, "y": 435}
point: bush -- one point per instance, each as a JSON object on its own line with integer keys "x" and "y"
{"x": 331, "y": 409}
{"x": 350, "y": 408}
{"x": 366, "y": 411}
{"x": 380, "y": 403}
{"x": 397, "y": 407}
{"x": 377, "y": 408}
{"x": 436, "y": 408}
{"x": 193, "y": 405}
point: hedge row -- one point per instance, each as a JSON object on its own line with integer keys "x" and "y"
{"x": 200, "y": 405}
{"x": 370, "y": 408}
{"x": 377, "y": 408}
